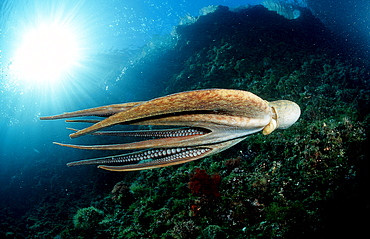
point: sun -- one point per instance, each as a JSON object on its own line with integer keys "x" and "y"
{"x": 46, "y": 54}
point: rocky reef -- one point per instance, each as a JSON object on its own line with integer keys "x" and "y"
{"x": 286, "y": 10}
{"x": 307, "y": 181}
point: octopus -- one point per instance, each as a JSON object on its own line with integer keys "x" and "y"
{"x": 197, "y": 124}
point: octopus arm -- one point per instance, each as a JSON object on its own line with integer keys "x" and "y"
{"x": 219, "y": 101}
{"x": 158, "y": 157}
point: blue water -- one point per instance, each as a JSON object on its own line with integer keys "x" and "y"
{"x": 112, "y": 35}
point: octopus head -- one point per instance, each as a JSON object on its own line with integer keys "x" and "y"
{"x": 284, "y": 114}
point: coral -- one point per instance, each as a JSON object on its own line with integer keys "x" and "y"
{"x": 88, "y": 218}
{"x": 233, "y": 163}
{"x": 184, "y": 229}
{"x": 206, "y": 187}
{"x": 121, "y": 193}
{"x": 213, "y": 232}
{"x": 203, "y": 184}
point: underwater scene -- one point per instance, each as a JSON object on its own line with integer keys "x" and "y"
{"x": 184, "y": 119}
